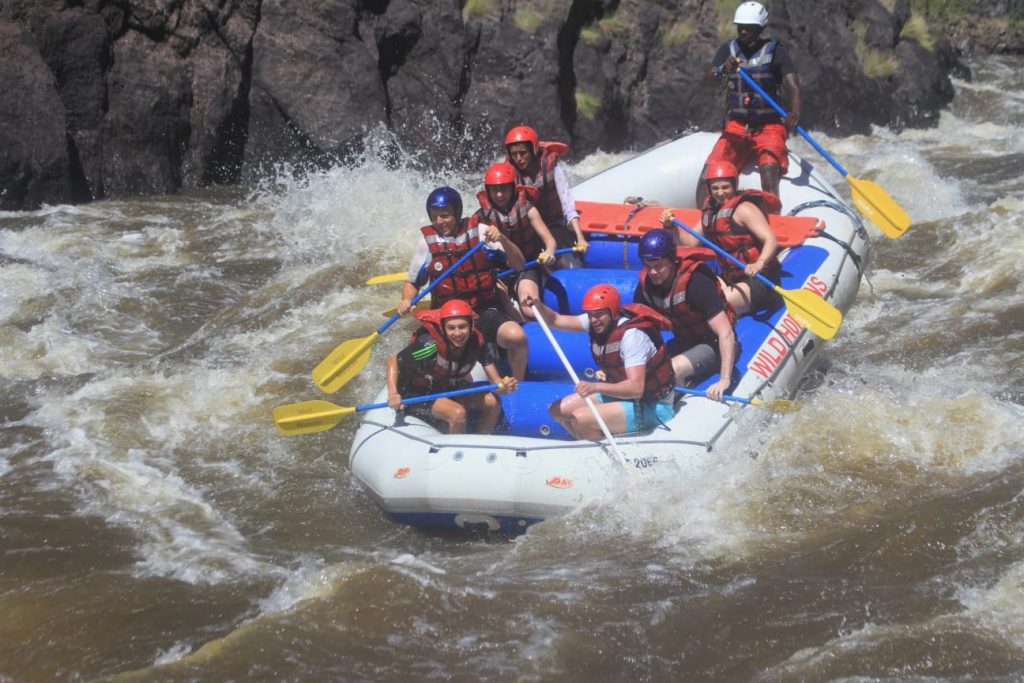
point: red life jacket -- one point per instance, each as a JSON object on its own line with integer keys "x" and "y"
{"x": 720, "y": 228}
{"x": 448, "y": 371}
{"x": 474, "y": 280}
{"x": 687, "y": 322}
{"x": 659, "y": 377}
{"x": 515, "y": 224}
{"x": 548, "y": 202}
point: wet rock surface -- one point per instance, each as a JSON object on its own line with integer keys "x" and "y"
{"x": 112, "y": 98}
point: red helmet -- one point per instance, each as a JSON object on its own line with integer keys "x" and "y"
{"x": 524, "y": 134}
{"x": 500, "y": 174}
{"x": 456, "y": 308}
{"x": 602, "y": 296}
{"x": 723, "y": 169}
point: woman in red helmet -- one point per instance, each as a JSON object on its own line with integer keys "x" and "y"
{"x": 635, "y": 391}
{"x": 440, "y": 357}
{"x": 537, "y": 165}
{"x": 510, "y": 208}
{"x": 738, "y": 223}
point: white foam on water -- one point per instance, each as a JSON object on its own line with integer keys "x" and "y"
{"x": 48, "y": 348}
{"x": 123, "y": 442}
{"x": 896, "y": 164}
{"x": 1000, "y": 608}
{"x": 348, "y": 214}
{"x": 415, "y": 562}
{"x": 21, "y": 284}
{"x": 790, "y": 480}
{"x": 5, "y": 462}
{"x": 312, "y": 579}
{"x": 995, "y": 615}
{"x": 175, "y": 652}
{"x": 579, "y": 169}
{"x": 181, "y": 535}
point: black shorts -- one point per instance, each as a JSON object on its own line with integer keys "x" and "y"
{"x": 761, "y": 295}
{"x": 423, "y": 411}
{"x": 537, "y": 275}
{"x": 488, "y": 322}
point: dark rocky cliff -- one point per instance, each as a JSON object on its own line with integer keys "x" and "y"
{"x": 107, "y": 98}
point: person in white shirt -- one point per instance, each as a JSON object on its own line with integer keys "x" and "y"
{"x": 537, "y": 165}
{"x": 635, "y": 387}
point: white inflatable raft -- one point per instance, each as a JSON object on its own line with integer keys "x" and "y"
{"x": 508, "y": 481}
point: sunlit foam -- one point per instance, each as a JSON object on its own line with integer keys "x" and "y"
{"x": 895, "y": 164}
{"x": 46, "y": 348}
{"x": 20, "y": 285}
{"x": 348, "y": 213}
{"x": 580, "y": 168}
{"x": 311, "y": 580}
{"x": 172, "y": 654}
{"x": 789, "y": 481}
{"x": 124, "y": 461}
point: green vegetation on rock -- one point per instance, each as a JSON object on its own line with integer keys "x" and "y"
{"x": 677, "y": 34}
{"x": 917, "y": 29}
{"x": 726, "y": 9}
{"x": 587, "y": 105}
{"x": 480, "y": 9}
{"x": 528, "y": 20}
{"x": 874, "y": 62}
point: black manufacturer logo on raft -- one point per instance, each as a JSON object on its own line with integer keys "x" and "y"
{"x": 644, "y": 463}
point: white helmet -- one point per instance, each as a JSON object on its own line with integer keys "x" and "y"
{"x": 751, "y": 13}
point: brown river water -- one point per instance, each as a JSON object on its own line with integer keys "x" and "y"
{"x": 154, "y": 526}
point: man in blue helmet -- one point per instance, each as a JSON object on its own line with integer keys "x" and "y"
{"x": 677, "y": 283}
{"x": 447, "y": 239}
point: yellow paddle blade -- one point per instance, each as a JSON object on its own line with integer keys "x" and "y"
{"x": 343, "y": 363}
{"x": 811, "y": 311}
{"x": 385, "y": 279}
{"x": 308, "y": 417}
{"x": 879, "y": 207}
{"x": 421, "y": 305}
{"x": 779, "y": 405}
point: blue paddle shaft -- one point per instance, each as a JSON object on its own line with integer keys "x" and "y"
{"x": 426, "y": 290}
{"x": 721, "y": 252}
{"x": 426, "y": 398}
{"x": 531, "y": 264}
{"x": 807, "y": 136}
{"x": 698, "y": 392}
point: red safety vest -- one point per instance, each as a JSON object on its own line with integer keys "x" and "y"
{"x": 548, "y": 202}
{"x": 516, "y": 223}
{"x": 687, "y": 322}
{"x": 447, "y": 372}
{"x": 659, "y": 377}
{"x": 474, "y": 280}
{"x": 720, "y": 228}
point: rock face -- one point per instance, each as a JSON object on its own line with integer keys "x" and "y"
{"x": 109, "y": 98}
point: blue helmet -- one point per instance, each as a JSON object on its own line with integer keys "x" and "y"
{"x": 445, "y": 198}
{"x": 658, "y": 243}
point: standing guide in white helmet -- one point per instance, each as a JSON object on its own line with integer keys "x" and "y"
{"x": 752, "y": 127}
